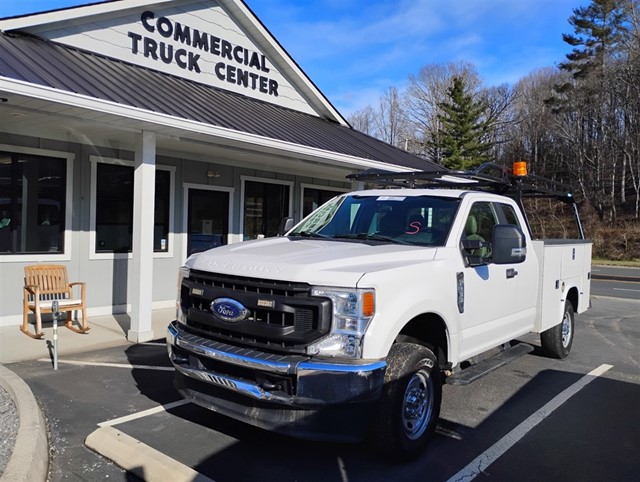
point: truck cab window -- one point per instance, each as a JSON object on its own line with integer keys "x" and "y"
{"x": 510, "y": 215}
{"x": 411, "y": 220}
{"x": 479, "y": 226}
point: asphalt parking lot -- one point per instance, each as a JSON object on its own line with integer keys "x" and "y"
{"x": 535, "y": 419}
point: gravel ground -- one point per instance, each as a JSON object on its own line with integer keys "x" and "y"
{"x": 8, "y": 428}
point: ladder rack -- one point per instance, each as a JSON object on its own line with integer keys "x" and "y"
{"x": 487, "y": 177}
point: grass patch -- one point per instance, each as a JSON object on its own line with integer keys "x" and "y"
{"x": 634, "y": 263}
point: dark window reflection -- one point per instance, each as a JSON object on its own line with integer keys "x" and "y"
{"x": 114, "y": 208}
{"x": 265, "y": 205}
{"x": 314, "y": 198}
{"x": 32, "y": 203}
{"x": 162, "y": 210}
{"x": 208, "y": 220}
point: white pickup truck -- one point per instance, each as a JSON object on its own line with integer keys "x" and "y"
{"x": 348, "y": 325}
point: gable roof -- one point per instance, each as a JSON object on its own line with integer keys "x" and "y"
{"x": 28, "y": 61}
{"x": 43, "y": 63}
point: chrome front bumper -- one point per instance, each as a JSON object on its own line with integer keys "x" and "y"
{"x": 315, "y": 383}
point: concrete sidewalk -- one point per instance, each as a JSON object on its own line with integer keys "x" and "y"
{"x": 106, "y": 331}
{"x": 30, "y": 457}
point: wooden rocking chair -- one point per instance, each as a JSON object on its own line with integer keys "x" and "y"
{"x": 44, "y": 284}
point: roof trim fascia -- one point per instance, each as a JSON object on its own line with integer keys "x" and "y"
{"x": 12, "y": 86}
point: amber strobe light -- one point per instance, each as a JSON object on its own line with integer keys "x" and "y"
{"x": 520, "y": 168}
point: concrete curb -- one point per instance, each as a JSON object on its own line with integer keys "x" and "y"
{"x": 30, "y": 457}
{"x": 139, "y": 459}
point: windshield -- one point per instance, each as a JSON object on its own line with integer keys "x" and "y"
{"x": 413, "y": 220}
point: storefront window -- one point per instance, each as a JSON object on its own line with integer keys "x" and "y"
{"x": 208, "y": 219}
{"x": 114, "y": 209}
{"x": 314, "y": 198}
{"x": 265, "y": 204}
{"x": 162, "y": 212}
{"x": 32, "y": 203}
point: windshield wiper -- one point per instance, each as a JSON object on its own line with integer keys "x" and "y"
{"x": 310, "y": 234}
{"x": 372, "y": 237}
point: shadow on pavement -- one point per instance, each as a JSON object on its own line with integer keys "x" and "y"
{"x": 560, "y": 448}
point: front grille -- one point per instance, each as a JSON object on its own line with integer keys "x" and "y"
{"x": 283, "y": 317}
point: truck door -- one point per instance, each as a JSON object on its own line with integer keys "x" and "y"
{"x": 496, "y": 308}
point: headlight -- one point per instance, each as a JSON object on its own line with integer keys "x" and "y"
{"x": 183, "y": 273}
{"x": 352, "y": 312}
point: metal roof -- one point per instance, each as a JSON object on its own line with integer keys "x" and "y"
{"x": 41, "y": 62}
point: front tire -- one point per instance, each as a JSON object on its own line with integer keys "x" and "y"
{"x": 410, "y": 403}
{"x": 557, "y": 340}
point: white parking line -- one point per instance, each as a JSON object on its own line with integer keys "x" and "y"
{"x": 144, "y": 413}
{"x": 343, "y": 470}
{"x": 110, "y": 365}
{"x": 622, "y": 289}
{"x": 484, "y": 460}
{"x": 132, "y": 454}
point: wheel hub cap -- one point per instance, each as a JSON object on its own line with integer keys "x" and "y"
{"x": 566, "y": 330}
{"x": 417, "y": 405}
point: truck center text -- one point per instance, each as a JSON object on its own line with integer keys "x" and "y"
{"x": 204, "y": 42}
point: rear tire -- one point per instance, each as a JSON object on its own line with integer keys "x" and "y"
{"x": 557, "y": 341}
{"x": 410, "y": 403}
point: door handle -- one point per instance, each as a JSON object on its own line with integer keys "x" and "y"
{"x": 511, "y": 273}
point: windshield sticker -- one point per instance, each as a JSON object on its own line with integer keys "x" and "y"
{"x": 413, "y": 228}
{"x": 391, "y": 198}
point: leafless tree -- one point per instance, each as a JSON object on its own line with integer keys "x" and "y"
{"x": 579, "y": 123}
{"x": 390, "y": 119}
{"x": 363, "y": 120}
{"x": 423, "y": 94}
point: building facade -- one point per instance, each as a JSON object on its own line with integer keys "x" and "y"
{"x": 134, "y": 133}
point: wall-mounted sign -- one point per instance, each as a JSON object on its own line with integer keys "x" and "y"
{"x": 172, "y": 42}
{"x": 196, "y": 40}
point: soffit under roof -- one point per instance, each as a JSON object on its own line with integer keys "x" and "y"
{"x": 31, "y": 60}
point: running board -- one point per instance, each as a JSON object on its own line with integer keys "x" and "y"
{"x": 480, "y": 369}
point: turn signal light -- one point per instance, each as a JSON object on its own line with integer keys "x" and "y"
{"x": 368, "y": 304}
{"x": 520, "y": 168}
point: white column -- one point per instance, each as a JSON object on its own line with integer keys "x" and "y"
{"x": 141, "y": 328}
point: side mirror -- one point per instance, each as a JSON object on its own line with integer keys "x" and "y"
{"x": 285, "y": 225}
{"x": 509, "y": 244}
{"x": 476, "y": 252}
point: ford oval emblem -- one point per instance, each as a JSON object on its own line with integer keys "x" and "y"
{"x": 229, "y": 310}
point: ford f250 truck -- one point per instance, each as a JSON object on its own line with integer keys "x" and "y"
{"x": 348, "y": 325}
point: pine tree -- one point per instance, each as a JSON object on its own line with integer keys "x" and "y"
{"x": 588, "y": 102}
{"x": 599, "y": 29}
{"x": 460, "y": 142}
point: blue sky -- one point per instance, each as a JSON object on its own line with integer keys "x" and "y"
{"x": 355, "y": 49}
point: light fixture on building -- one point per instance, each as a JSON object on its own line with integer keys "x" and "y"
{"x": 211, "y": 173}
